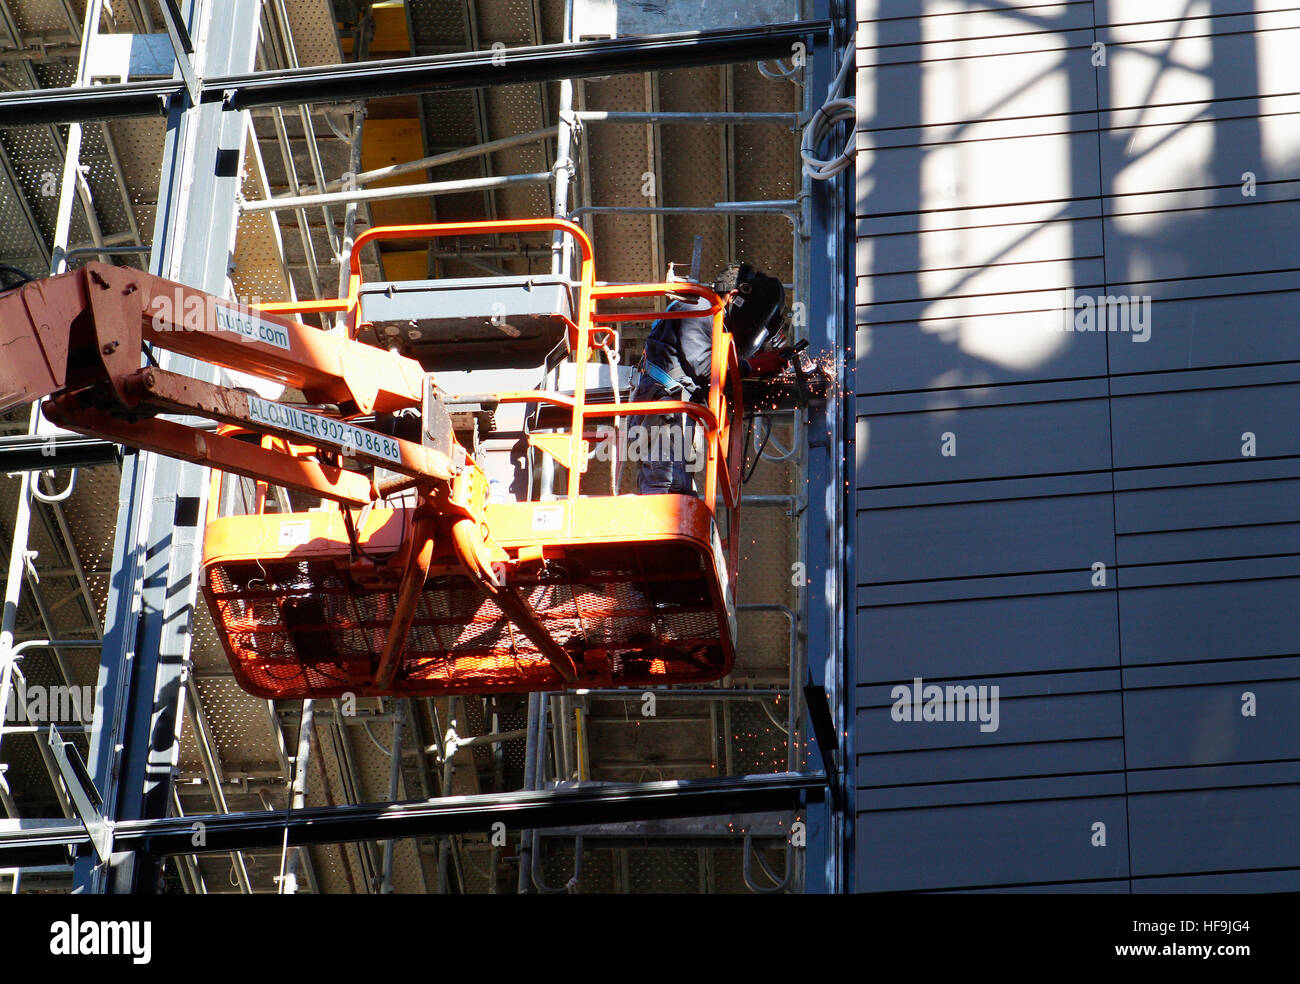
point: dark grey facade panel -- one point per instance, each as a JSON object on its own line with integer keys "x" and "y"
{"x": 1213, "y": 331}
{"x": 1207, "y": 830}
{"x": 975, "y": 539}
{"x": 930, "y": 353}
{"x": 1059, "y": 717}
{"x": 988, "y": 636}
{"x": 1075, "y": 154}
{"x": 882, "y": 222}
{"x": 1065, "y": 239}
{"x": 1002, "y": 276}
{"x": 1236, "y": 883}
{"x": 1019, "y": 54}
{"x": 1223, "y": 520}
{"x": 986, "y": 442}
{"x": 1230, "y": 234}
{"x": 990, "y": 762}
{"x": 999, "y": 170}
{"x": 871, "y": 596}
{"x": 1188, "y": 332}
{"x": 1204, "y": 323}
{"x": 1185, "y": 426}
{"x": 884, "y": 799}
{"x": 1006, "y": 843}
{"x": 899, "y": 24}
{"x": 1201, "y": 672}
{"x": 1229, "y": 620}
{"x": 1245, "y": 120}
{"x": 1168, "y": 727}
{"x": 1227, "y": 542}
{"x": 1233, "y": 41}
{"x": 1111, "y": 887}
{"x": 1231, "y": 121}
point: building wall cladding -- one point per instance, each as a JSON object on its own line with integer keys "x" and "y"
{"x": 1010, "y": 153}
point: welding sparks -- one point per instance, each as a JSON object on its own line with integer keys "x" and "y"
{"x": 813, "y": 378}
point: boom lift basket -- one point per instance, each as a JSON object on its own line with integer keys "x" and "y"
{"x": 418, "y": 577}
{"x": 636, "y": 597}
{"x": 629, "y": 590}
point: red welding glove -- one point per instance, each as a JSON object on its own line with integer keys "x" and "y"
{"x": 769, "y": 363}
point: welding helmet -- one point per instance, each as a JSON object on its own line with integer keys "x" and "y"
{"x": 755, "y": 310}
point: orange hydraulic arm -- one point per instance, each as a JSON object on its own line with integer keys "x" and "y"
{"x": 610, "y": 588}
{"x": 77, "y": 339}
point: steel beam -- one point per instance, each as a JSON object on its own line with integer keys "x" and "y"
{"x": 790, "y": 120}
{"x": 827, "y": 537}
{"x": 343, "y": 83}
{"x": 156, "y": 551}
{"x": 391, "y": 194}
{"x": 41, "y": 452}
{"x": 43, "y": 842}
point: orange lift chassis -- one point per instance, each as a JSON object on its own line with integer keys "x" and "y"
{"x": 412, "y": 582}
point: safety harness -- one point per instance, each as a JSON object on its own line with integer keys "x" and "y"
{"x": 670, "y": 383}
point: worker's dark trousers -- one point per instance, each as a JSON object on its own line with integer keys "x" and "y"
{"x": 663, "y": 470}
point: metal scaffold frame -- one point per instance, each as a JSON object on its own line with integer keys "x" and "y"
{"x": 144, "y": 677}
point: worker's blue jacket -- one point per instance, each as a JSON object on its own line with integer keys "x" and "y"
{"x": 683, "y": 349}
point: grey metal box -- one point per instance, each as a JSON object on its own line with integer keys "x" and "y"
{"x": 473, "y": 323}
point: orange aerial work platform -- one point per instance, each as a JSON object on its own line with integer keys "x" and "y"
{"x": 412, "y": 580}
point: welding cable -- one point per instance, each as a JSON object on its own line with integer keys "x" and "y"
{"x": 782, "y": 452}
{"x": 761, "y": 447}
{"x": 22, "y": 275}
{"x": 835, "y": 109}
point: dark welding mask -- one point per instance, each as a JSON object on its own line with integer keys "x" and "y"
{"x": 754, "y": 312}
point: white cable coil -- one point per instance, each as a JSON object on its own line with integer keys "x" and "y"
{"x": 835, "y": 109}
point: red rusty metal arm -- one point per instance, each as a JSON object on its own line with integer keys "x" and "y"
{"x": 78, "y": 338}
{"x": 171, "y": 391}
{"x": 417, "y": 556}
{"x": 467, "y": 542}
{"x": 76, "y": 329}
{"x": 214, "y": 450}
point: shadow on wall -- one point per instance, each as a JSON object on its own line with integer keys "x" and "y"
{"x": 995, "y": 196}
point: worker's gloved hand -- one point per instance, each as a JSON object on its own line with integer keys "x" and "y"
{"x": 764, "y": 364}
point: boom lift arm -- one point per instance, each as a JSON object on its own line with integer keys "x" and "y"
{"x": 76, "y": 339}
{"x": 437, "y": 588}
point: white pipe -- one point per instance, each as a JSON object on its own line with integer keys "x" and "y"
{"x": 389, "y": 194}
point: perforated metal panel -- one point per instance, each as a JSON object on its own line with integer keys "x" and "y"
{"x": 139, "y": 144}
{"x": 238, "y": 725}
{"x": 43, "y": 15}
{"x": 763, "y": 155}
{"x": 618, "y": 159}
{"x": 315, "y": 34}
{"x": 259, "y": 258}
{"x": 437, "y": 24}
{"x": 92, "y": 514}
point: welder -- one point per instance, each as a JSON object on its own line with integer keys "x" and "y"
{"x": 677, "y": 365}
